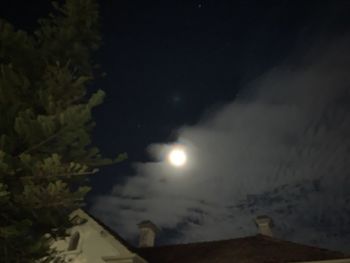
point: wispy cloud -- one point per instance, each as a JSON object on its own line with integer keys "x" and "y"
{"x": 281, "y": 148}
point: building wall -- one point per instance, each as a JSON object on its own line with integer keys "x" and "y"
{"x": 95, "y": 244}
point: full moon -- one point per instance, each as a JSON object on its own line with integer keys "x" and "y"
{"x": 177, "y": 157}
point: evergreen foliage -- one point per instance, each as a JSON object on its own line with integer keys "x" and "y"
{"x": 45, "y": 126}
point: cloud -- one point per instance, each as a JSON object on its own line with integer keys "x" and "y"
{"x": 281, "y": 148}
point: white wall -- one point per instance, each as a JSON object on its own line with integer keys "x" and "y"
{"x": 95, "y": 243}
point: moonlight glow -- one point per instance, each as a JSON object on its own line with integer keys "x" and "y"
{"x": 177, "y": 157}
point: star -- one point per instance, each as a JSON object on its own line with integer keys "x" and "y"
{"x": 176, "y": 99}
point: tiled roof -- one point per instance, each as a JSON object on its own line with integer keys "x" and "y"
{"x": 254, "y": 249}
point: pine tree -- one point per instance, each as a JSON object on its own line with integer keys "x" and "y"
{"x": 45, "y": 126}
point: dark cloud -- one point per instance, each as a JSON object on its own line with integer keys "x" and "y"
{"x": 281, "y": 148}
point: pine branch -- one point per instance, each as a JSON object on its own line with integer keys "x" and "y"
{"x": 59, "y": 175}
{"x": 69, "y": 202}
{"x": 43, "y": 142}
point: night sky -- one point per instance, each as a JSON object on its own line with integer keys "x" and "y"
{"x": 257, "y": 90}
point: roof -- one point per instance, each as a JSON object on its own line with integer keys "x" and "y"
{"x": 254, "y": 249}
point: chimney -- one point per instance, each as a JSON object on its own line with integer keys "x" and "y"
{"x": 264, "y": 224}
{"x": 148, "y": 232}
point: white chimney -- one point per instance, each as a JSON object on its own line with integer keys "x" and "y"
{"x": 264, "y": 224}
{"x": 148, "y": 232}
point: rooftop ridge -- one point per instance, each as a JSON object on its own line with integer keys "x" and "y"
{"x": 259, "y": 236}
{"x": 111, "y": 231}
{"x": 203, "y": 242}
